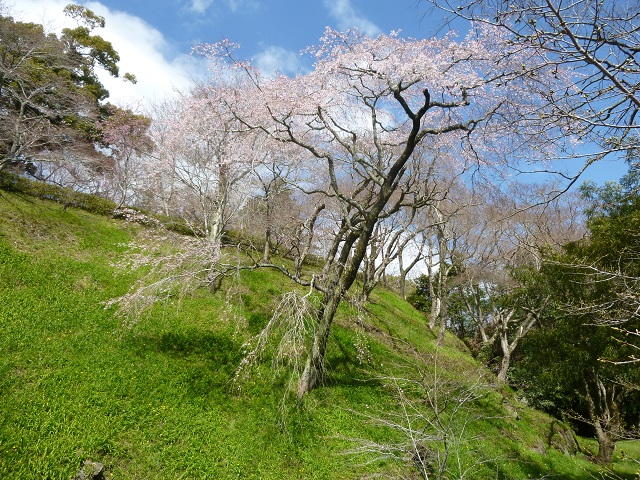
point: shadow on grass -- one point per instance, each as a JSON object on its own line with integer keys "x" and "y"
{"x": 203, "y": 360}
{"x": 345, "y": 368}
{"x": 532, "y": 469}
{"x": 219, "y": 348}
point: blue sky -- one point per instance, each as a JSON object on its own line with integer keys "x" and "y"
{"x": 155, "y": 37}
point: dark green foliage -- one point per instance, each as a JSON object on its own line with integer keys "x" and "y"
{"x": 173, "y": 224}
{"x": 50, "y": 93}
{"x": 420, "y": 297}
{"x": 577, "y": 361}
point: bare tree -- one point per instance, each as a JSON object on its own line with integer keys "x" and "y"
{"x": 276, "y": 214}
{"x": 498, "y": 233}
{"x": 434, "y": 418}
{"x": 599, "y": 41}
{"x": 450, "y": 225}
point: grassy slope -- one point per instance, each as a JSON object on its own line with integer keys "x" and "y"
{"x": 154, "y": 403}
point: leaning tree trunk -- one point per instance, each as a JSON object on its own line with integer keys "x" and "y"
{"x": 341, "y": 275}
{"x": 314, "y": 366}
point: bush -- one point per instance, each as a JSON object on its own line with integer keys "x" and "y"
{"x": 47, "y": 191}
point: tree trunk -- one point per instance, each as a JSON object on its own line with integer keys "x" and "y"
{"x": 606, "y": 444}
{"x": 304, "y": 251}
{"x": 314, "y": 366}
{"x": 443, "y": 320}
{"x": 218, "y": 209}
{"x": 341, "y": 275}
{"x": 434, "y": 313}
{"x": 504, "y": 344}
{"x": 402, "y": 273}
{"x": 504, "y": 365}
{"x": 441, "y": 290}
{"x": 267, "y": 245}
{"x": 508, "y": 347}
{"x": 603, "y": 403}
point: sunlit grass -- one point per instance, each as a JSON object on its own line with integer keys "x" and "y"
{"x": 155, "y": 401}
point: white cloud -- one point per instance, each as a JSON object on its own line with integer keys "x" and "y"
{"x": 277, "y": 59}
{"x": 243, "y": 5}
{"x": 143, "y": 51}
{"x": 347, "y": 17}
{"x": 199, "y": 6}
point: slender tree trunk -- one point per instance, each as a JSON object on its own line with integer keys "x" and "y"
{"x": 314, "y": 366}
{"x": 403, "y": 274}
{"x": 369, "y": 279}
{"x": 434, "y": 313}
{"x": 505, "y": 317}
{"x": 306, "y": 246}
{"x": 267, "y": 245}
{"x": 216, "y": 228}
{"x": 405, "y": 271}
{"x": 443, "y": 319}
{"x": 218, "y": 210}
{"x": 443, "y": 273}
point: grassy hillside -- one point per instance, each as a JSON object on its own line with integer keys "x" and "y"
{"x": 155, "y": 401}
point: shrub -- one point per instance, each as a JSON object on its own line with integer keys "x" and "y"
{"x": 47, "y": 191}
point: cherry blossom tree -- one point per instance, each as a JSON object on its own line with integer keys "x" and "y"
{"x": 196, "y": 170}
{"x": 124, "y": 135}
{"x": 354, "y": 123}
{"x": 202, "y": 157}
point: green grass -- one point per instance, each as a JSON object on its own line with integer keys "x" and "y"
{"x": 155, "y": 401}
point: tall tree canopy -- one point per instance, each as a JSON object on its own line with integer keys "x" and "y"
{"x": 50, "y": 94}
{"x": 598, "y": 39}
